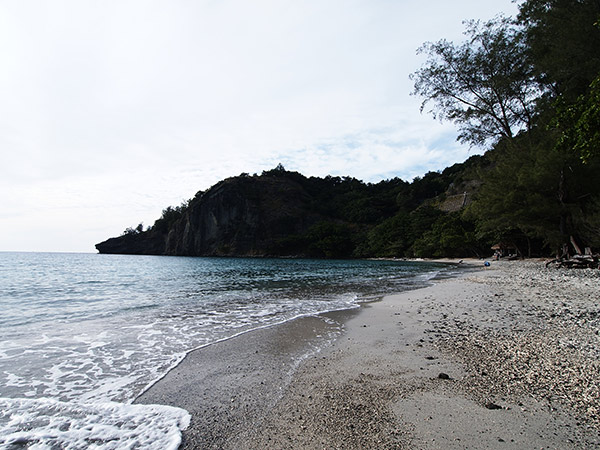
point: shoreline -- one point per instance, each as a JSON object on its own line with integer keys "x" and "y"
{"x": 240, "y": 335}
{"x": 226, "y": 386}
{"x": 496, "y": 334}
{"x": 311, "y": 334}
{"x": 356, "y": 307}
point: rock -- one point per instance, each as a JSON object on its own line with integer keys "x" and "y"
{"x": 444, "y": 376}
{"x": 491, "y": 405}
{"x": 240, "y": 216}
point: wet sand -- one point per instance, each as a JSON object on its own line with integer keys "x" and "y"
{"x": 229, "y": 386}
{"x": 501, "y": 358}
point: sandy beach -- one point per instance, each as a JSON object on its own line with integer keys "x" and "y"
{"x": 506, "y": 357}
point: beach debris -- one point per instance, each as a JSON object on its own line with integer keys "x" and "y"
{"x": 581, "y": 260}
{"x": 491, "y": 405}
{"x": 444, "y": 376}
{"x": 576, "y": 262}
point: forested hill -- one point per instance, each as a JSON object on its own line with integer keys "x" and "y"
{"x": 526, "y": 90}
{"x": 283, "y": 213}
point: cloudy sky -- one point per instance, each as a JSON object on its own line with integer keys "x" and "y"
{"x": 113, "y": 110}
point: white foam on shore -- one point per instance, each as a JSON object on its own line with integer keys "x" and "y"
{"x": 57, "y": 383}
{"x": 45, "y": 423}
{"x": 180, "y": 357}
{"x": 84, "y": 372}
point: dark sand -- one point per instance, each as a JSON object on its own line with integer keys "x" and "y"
{"x": 378, "y": 386}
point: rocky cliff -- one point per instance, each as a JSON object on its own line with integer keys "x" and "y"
{"x": 241, "y": 216}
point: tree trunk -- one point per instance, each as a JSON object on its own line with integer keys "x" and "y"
{"x": 575, "y": 246}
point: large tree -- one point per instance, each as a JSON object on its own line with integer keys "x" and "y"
{"x": 579, "y": 124}
{"x": 486, "y": 85}
{"x": 536, "y": 196}
{"x": 563, "y": 37}
{"x": 527, "y": 87}
{"x": 563, "y": 40}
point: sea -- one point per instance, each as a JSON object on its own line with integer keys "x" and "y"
{"x": 82, "y": 335}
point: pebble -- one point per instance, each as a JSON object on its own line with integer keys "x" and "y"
{"x": 541, "y": 340}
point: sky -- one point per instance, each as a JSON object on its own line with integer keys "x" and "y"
{"x": 113, "y": 110}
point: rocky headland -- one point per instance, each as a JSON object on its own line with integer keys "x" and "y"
{"x": 282, "y": 213}
{"x": 241, "y": 216}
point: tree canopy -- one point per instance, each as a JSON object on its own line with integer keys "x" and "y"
{"x": 563, "y": 39}
{"x": 529, "y": 88}
{"x": 486, "y": 85}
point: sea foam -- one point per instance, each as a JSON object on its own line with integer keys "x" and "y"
{"x": 46, "y": 423}
{"x": 79, "y": 333}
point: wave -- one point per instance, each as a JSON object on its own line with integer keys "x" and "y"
{"x": 48, "y": 423}
{"x": 81, "y": 353}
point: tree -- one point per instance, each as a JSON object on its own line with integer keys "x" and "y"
{"x": 517, "y": 200}
{"x": 278, "y": 171}
{"x": 579, "y": 124}
{"x": 530, "y": 88}
{"x": 169, "y": 216}
{"x": 330, "y": 240}
{"x": 536, "y": 194}
{"x": 563, "y": 41}
{"x": 449, "y": 236}
{"x": 391, "y": 238}
{"x": 563, "y": 37}
{"x": 485, "y": 85}
{"x": 132, "y": 231}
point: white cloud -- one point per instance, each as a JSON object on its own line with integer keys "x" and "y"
{"x": 114, "y": 110}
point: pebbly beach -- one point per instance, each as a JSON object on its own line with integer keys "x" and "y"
{"x": 500, "y": 357}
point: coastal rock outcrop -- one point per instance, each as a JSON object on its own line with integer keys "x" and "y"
{"x": 241, "y": 216}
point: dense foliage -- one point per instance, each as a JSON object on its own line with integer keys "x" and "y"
{"x": 345, "y": 217}
{"x": 529, "y": 88}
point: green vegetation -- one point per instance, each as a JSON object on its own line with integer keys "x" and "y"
{"x": 169, "y": 216}
{"x": 529, "y": 90}
{"x": 526, "y": 89}
{"x": 130, "y": 231}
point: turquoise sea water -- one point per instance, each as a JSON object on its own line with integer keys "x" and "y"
{"x": 81, "y": 335}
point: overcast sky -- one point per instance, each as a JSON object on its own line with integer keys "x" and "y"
{"x": 113, "y": 110}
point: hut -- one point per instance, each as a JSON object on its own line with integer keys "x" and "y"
{"x": 502, "y": 249}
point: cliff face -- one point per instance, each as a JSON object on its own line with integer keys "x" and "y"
{"x": 242, "y": 216}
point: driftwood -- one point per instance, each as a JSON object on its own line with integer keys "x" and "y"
{"x": 575, "y": 246}
{"x": 577, "y": 262}
{"x": 581, "y": 260}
